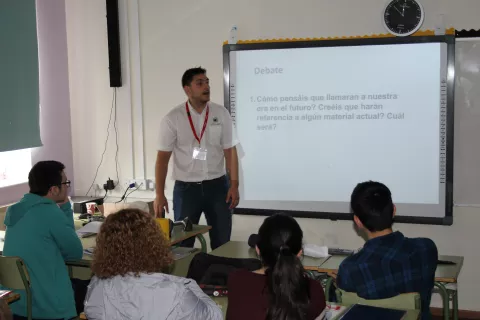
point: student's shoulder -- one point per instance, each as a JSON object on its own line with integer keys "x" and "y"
{"x": 423, "y": 244}
{"x": 218, "y": 108}
{"x": 352, "y": 260}
{"x": 44, "y": 210}
{"x": 175, "y": 111}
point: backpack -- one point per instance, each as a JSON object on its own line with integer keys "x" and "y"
{"x": 211, "y": 272}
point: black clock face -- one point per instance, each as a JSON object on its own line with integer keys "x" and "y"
{"x": 403, "y": 17}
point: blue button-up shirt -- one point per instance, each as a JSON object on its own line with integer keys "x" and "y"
{"x": 391, "y": 265}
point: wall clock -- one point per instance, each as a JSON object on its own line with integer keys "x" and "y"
{"x": 403, "y": 17}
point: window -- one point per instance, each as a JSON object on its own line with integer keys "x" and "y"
{"x": 14, "y": 167}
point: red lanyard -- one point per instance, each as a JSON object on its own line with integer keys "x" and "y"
{"x": 191, "y": 123}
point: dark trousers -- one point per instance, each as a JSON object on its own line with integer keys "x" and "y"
{"x": 190, "y": 199}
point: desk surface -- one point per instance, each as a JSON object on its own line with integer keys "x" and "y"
{"x": 234, "y": 249}
{"x": 240, "y": 249}
{"x": 410, "y": 315}
{"x": 178, "y": 235}
{"x": 12, "y": 297}
{"x": 444, "y": 273}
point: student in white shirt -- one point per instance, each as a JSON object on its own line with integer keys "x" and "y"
{"x": 202, "y": 138}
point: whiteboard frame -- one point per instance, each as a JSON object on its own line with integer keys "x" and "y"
{"x": 230, "y": 104}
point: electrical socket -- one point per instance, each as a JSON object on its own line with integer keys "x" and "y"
{"x": 142, "y": 184}
{"x": 151, "y": 184}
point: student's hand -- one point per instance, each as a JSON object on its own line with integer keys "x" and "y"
{"x": 159, "y": 204}
{"x": 64, "y": 201}
{"x": 233, "y": 196}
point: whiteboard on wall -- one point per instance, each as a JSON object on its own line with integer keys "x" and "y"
{"x": 466, "y": 175}
{"x": 316, "y": 118}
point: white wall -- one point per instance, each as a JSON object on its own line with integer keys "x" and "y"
{"x": 171, "y": 36}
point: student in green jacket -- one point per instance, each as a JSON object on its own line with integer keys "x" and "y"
{"x": 40, "y": 230}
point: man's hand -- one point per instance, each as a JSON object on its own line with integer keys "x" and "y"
{"x": 159, "y": 204}
{"x": 233, "y": 196}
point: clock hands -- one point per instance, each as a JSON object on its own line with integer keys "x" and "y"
{"x": 403, "y": 14}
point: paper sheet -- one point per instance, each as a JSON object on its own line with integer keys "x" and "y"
{"x": 89, "y": 228}
{"x": 315, "y": 251}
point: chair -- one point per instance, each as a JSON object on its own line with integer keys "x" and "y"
{"x": 14, "y": 275}
{"x": 405, "y": 301}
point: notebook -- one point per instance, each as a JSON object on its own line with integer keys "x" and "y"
{"x": 359, "y": 311}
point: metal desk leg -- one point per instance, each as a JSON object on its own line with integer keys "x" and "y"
{"x": 455, "y": 303}
{"x": 203, "y": 243}
{"x": 446, "y": 300}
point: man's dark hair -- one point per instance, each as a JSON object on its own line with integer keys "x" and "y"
{"x": 187, "y": 77}
{"x": 371, "y": 202}
{"x": 44, "y": 175}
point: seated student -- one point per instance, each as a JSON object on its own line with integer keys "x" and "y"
{"x": 389, "y": 264}
{"x": 128, "y": 283}
{"x": 40, "y": 230}
{"x": 280, "y": 290}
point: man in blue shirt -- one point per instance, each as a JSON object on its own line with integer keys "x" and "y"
{"x": 389, "y": 264}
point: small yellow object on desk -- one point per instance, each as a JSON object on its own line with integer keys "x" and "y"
{"x": 164, "y": 224}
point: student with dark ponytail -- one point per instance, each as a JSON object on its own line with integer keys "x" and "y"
{"x": 280, "y": 290}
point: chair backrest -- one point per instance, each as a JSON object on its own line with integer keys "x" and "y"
{"x": 405, "y": 301}
{"x": 14, "y": 275}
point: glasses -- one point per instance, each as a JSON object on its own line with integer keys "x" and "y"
{"x": 67, "y": 183}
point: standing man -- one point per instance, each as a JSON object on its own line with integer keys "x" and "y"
{"x": 201, "y": 136}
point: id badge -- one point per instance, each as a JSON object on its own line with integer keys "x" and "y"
{"x": 199, "y": 153}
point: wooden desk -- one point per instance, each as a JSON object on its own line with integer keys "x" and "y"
{"x": 12, "y": 297}
{"x": 240, "y": 249}
{"x": 180, "y": 267}
{"x": 445, "y": 274}
{"x": 178, "y": 235}
{"x": 234, "y": 249}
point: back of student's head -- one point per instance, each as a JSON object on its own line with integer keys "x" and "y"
{"x": 372, "y": 203}
{"x": 130, "y": 242}
{"x": 44, "y": 175}
{"x": 279, "y": 243}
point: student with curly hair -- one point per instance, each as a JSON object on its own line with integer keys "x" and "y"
{"x": 128, "y": 283}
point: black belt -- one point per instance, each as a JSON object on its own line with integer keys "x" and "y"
{"x": 203, "y": 181}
